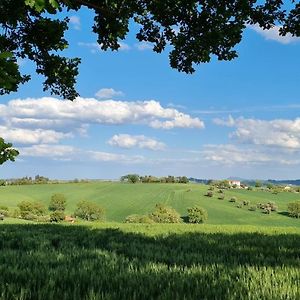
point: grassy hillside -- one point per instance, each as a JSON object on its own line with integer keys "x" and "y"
{"x": 123, "y": 199}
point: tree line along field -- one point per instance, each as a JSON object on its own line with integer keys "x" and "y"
{"x": 122, "y": 199}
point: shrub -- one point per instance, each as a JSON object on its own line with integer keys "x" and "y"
{"x": 233, "y": 199}
{"x": 138, "y": 219}
{"x": 57, "y": 202}
{"x": 89, "y": 211}
{"x": 165, "y": 214}
{"x": 57, "y": 216}
{"x": 197, "y": 214}
{"x": 209, "y": 194}
{"x": 267, "y": 210}
{"x": 252, "y": 208}
{"x": 31, "y": 210}
{"x": 4, "y": 211}
{"x": 294, "y": 209}
{"x": 272, "y": 206}
{"x": 240, "y": 205}
{"x": 220, "y": 191}
{"x": 211, "y": 188}
{"x": 246, "y": 202}
{"x": 222, "y": 197}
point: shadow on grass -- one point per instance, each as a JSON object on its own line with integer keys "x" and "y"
{"x": 284, "y": 213}
{"x": 76, "y": 262}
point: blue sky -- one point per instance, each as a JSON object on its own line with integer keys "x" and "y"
{"x": 137, "y": 115}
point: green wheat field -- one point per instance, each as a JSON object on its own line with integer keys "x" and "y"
{"x": 236, "y": 254}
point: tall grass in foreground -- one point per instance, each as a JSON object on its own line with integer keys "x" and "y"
{"x": 125, "y": 261}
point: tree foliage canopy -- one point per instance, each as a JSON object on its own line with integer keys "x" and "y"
{"x": 7, "y": 152}
{"x": 193, "y": 30}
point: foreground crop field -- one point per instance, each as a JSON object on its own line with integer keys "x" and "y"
{"x": 121, "y": 200}
{"x": 124, "y": 261}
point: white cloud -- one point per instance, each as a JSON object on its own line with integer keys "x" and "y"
{"x": 273, "y": 34}
{"x": 75, "y": 21}
{"x": 142, "y": 46}
{"x": 229, "y": 154}
{"x": 108, "y": 93}
{"x": 29, "y": 136}
{"x": 223, "y": 122}
{"x": 279, "y": 133}
{"x": 95, "y": 47}
{"x": 70, "y": 153}
{"x": 140, "y": 141}
{"x": 180, "y": 121}
{"x": 47, "y": 112}
{"x": 48, "y": 151}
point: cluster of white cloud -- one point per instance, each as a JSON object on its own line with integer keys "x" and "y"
{"x": 39, "y": 127}
{"x": 75, "y": 21}
{"x": 229, "y": 154}
{"x": 278, "y": 133}
{"x": 95, "y": 47}
{"x": 70, "y": 153}
{"x": 52, "y": 112}
{"x": 273, "y": 34}
{"x": 108, "y": 93}
{"x": 32, "y": 136}
{"x": 131, "y": 141}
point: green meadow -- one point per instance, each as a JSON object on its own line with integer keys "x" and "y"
{"x": 237, "y": 254}
{"x": 122, "y": 199}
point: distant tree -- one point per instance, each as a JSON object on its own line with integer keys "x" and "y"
{"x": 294, "y": 209}
{"x": 270, "y": 186}
{"x": 183, "y": 179}
{"x": 133, "y": 178}
{"x": 6, "y": 150}
{"x": 258, "y": 184}
{"x": 233, "y": 199}
{"x": 31, "y": 210}
{"x": 57, "y": 216}
{"x": 57, "y": 202}
{"x": 165, "y": 214}
{"x": 4, "y": 210}
{"x": 89, "y": 211}
{"x": 197, "y": 214}
{"x": 209, "y": 194}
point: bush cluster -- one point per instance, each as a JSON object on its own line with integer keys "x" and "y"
{"x": 197, "y": 214}
{"x": 165, "y": 214}
{"x": 57, "y": 207}
{"x": 31, "y": 210}
{"x": 294, "y": 209}
{"x": 89, "y": 211}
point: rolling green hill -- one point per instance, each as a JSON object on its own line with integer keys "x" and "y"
{"x": 123, "y": 199}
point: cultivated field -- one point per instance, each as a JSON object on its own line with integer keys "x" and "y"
{"x": 123, "y": 199}
{"x": 160, "y": 261}
{"x": 113, "y": 260}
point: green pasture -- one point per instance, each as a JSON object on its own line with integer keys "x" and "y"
{"x": 123, "y": 199}
{"x": 158, "y": 261}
